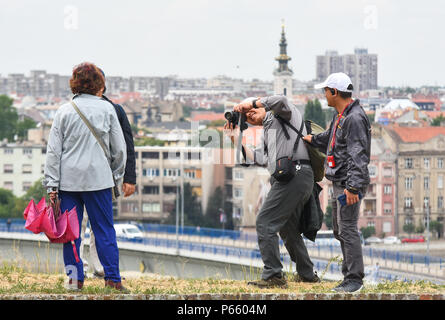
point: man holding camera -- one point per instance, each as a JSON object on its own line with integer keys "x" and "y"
{"x": 348, "y": 145}
{"x": 292, "y": 181}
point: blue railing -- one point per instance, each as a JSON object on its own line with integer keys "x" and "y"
{"x": 17, "y": 225}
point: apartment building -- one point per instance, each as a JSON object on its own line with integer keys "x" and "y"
{"x": 361, "y": 67}
{"x": 247, "y": 187}
{"x": 21, "y": 166}
{"x": 160, "y": 173}
{"x": 420, "y": 173}
{"x": 378, "y": 206}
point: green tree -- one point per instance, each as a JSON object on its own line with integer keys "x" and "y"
{"x": 147, "y": 141}
{"x": 409, "y": 228}
{"x": 314, "y": 112}
{"x": 368, "y": 231}
{"x": 22, "y": 128}
{"x": 8, "y": 118}
{"x": 36, "y": 192}
{"x": 420, "y": 228}
{"x": 436, "y": 122}
{"x": 328, "y": 217}
{"x": 7, "y": 204}
{"x": 216, "y": 202}
{"x": 437, "y": 227}
{"x": 192, "y": 208}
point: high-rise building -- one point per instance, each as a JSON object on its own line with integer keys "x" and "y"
{"x": 283, "y": 74}
{"x": 361, "y": 67}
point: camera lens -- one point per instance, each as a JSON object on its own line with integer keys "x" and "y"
{"x": 228, "y": 115}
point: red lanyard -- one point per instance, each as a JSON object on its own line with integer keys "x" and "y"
{"x": 336, "y": 125}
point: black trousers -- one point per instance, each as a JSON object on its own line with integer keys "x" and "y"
{"x": 281, "y": 214}
{"x": 344, "y": 222}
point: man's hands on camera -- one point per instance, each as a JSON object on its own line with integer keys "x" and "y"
{"x": 243, "y": 107}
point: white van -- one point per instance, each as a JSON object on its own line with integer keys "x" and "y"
{"x": 326, "y": 238}
{"x": 128, "y": 232}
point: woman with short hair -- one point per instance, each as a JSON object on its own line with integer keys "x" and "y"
{"x": 78, "y": 171}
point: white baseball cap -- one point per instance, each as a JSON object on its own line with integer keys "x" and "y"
{"x": 339, "y": 81}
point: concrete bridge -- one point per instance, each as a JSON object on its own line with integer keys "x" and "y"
{"x": 194, "y": 258}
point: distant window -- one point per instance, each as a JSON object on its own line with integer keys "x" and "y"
{"x": 169, "y": 190}
{"x": 387, "y": 227}
{"x": 171, "y": 155}
{"x": 408, "y": 163}
{"x": 387, "y": 171}
{"x": 8, "y": 168}
{"x": 151, "y": 207}
{"x": 426, "y": 202}
{"x": 371, "y": 224}
{"x": 150, "y": 190}
{"x": 408, "y": 183}
{"x": 172, "y": 172}
{"x": 440, "y": 181}
{"x": 387, "y": 207}
{"x": 426, "y": 163}
{"x": 27, "y": 168}
{"x": 150, "y": 155}
{"x": 426, "y": 183}
{"x": 26, "y": 185}
{"x": 440, "y": 202}
{"x": 130, "y": 206}
{"x": 27, "y": 151}
{"x": 387, "y": 189}
{"x": 150, "y": 172}
{"x": 8, "y": 151}
{"x": 238, "y": 174}
{"x": 8, "y": 185}
{"x": 238, "y": 193}
{"x": 408, "y": 202}
{"x": 372, "y": 171}
{"x": 440, "y": 163}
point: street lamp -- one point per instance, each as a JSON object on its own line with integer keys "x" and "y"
{"x": 177, "y": 214}
{"x": 428, "y": 230}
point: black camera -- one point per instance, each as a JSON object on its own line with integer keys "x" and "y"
{"x": 233, "y": 117}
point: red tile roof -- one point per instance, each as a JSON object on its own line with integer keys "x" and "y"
{"x": 417, "y": 134}
{"x": 207, "y": 116}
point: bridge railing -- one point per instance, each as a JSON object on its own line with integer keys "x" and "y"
{"x": 17, "y": 225}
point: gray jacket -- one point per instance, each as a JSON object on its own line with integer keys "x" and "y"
{"x": 75, "y": 160}
{"x": 352, "y": 150}
{"x": 274, "y": 144}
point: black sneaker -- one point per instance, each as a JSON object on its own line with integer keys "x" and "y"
{"x": 349, "y": 287}
{"x": 314, "y": 279}
{"x": 339, "y": 287}
{"x": 269, "y": 283}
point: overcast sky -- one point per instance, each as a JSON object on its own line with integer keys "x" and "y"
{"x": 237, "y": 38}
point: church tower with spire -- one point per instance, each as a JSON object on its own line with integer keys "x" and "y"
{"x": 283, "y": 74}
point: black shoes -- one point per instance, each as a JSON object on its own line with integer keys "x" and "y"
{"x": 270, "y": 283}
{"x": 348, "y": 286}
{"x": 314, "y": 279}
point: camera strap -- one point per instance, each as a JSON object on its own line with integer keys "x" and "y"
{"x": 240, "y": 148}
{"x": 283, "y": 121}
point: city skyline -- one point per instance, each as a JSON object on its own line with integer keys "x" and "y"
{"x": 238, "y": 39}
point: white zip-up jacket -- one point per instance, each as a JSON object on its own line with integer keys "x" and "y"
{"x": 75, "y": 161}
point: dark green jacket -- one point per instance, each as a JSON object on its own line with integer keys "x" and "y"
{"x": 312, "y": 215}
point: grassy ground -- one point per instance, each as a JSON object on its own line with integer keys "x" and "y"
{"x": 14, "y": 280}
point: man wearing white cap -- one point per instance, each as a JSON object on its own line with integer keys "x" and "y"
{"x": 348, "y": 147}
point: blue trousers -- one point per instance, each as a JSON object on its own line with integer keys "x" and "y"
{"x": 100, "y": 212}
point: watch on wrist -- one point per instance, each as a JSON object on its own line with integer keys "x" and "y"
{"x": 51, "y": 189}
